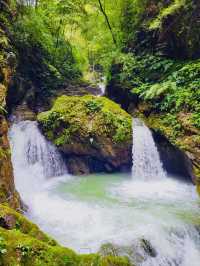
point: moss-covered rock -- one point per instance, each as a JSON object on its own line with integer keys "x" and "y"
{"x": 180, "y": 132}
{"x": 12, "y": 220}
{"x": 22, "y": 243}
{"x": 168, "y": 27}
{"x": 93, "y": 129}
{"x": 138, "y": 252}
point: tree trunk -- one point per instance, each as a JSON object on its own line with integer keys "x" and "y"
{"x": 36, "y": 4}
{"x": 107, "y": 21}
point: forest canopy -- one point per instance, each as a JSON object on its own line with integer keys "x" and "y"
{"x": 65, "y": 41}
{"x": 84, "y": 33}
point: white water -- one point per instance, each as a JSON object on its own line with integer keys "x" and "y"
{"x": 34, "y": 159}
{"x": 83, "y": 213}
{"x": 102, "y": 86}
{"x": 146, "y": 160}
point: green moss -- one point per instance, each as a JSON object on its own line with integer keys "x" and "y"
{"x": 197, "y": 174}
{"x": 85, "y": 117}
{"x": 180, "y": 132}
{"x": 166, "y": 11}
{"x": 24, "y": 244}
{"x": 3, "y": 194}
{"x": 21, "y": 223}
{"x": 19, "y": 249}
{"x": 116, "y": 261}
{"x": 22, "y": 249}
{"x": 97, "y": 260}
{"x": 3, "y": 153}
{"x": 4, "y": 42}
{"x": 169, "y": 126}
{"x": 162, "y": 74}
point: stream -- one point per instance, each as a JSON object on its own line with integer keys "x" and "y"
{"x": 85, "y": 212}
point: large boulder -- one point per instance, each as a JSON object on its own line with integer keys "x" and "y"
{"x": 92, "y": 131}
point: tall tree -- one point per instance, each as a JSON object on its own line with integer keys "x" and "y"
{"x": 103, "y": 11}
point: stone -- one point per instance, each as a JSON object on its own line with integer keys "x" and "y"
{"x": 74, "y": 121}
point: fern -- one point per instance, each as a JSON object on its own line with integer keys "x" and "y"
{"x": 159, "y": 89}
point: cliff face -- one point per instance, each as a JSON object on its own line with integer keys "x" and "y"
{"x": 8, "y": 194}
{"x": 167, "y": 27}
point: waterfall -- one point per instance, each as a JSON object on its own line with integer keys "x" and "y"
{"x": 34, "y": 158}
{"x": 102, "y": 86}
{"x": 85, "y": 212}
{"x": 146, "y": 161}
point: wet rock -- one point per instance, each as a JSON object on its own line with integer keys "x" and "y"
{"x": 77, "y": 166}
{"x": 23, "y": 92}
{"x": 118, "y": 91}
{"x": 94, "y": 131}
{"x": 137, "y": 252}
{"x": 109, "y": 249}
{"x": 22, "y": 113}
{"x": 8, "y": 221}
{"x": 148, "y": 248}
{"x": 185, "y": 145}
{"x": 174, "y": 160}
{"x": 78, "y": 89}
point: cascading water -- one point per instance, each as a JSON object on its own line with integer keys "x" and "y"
{"x": 146, "y": 160}
{"x": 84, "y": 213}
{"x": 34, "y": 159}
{"x": 102, "y": 86}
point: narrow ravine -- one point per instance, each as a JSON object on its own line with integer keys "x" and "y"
{"x": 123, "y": 209}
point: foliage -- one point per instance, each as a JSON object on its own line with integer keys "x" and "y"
{"x": 171, "y": 86}
{"x": 94, "y": 106}
{"x": 90, "y": 36}
{"x": 45, "y": 56}
{"x": 171, "y": 121}
{"x": 25, "y": 250}
{"x": 143, "y": 69}
{"x": 165, "y": 11}
{"x": 196, "y": 120}
{"x": 157, "y": 90}
{"x": 3, "y": 249}
{"x": 74, "y": 34}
